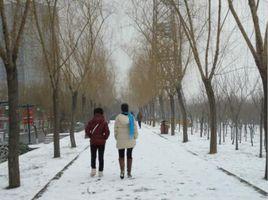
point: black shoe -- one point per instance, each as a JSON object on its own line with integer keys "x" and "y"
{"x": 122, "y": 175}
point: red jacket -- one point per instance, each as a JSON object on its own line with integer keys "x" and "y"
{"x": 97, "y": 130}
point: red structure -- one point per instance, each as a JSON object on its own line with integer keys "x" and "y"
{"x": 164, "y": 128}
{"x": 28, "y": 116}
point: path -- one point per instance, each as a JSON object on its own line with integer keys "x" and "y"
{"x": 162, "y": 170}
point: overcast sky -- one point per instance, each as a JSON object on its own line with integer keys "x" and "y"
{"x": 121, "y": 33}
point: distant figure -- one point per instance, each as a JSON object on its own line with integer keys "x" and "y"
{"x": 98, "y": 132}
{"x": 126, "y": 133}
{"x": 139, "y": 118}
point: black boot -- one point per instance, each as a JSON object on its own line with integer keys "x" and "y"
{"x": 129, "y": 166}
{"x": 122, "y": 167}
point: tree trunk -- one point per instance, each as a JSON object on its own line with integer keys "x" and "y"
{"x": 192, "y": 124}
{"x": 264, "y": 81}
{"x": 223, "y": 132}
{"x": 147, "y": 108}
{"x": 201, "y": 126}
{"x": 183, "y": 113}
{"x": 207, "y": 129}
{"x": 150, "y": 114}
{"x": 153, "y": 113}
{"x": 220, "y": 133}
{"x": 261, "y": 127}
{"x": 231, "y": 132}
{"x": 162, "y": 110}
{"x": 251, "y": 128}
{"x": 172, "y": 118}
{"x": 236, "y": 135}
{"x": 245, "y": 132}
{"x": 73, "y": 118}
{"x": 240, "y": 133}
{"x": 84, "y": 109}
{"x": 179, "y": 124}
{"x": 212, "y": 116}
{"x": 226, "y": 130}
{"x": 14, "y": 129}
{"x": 56, "y": 136}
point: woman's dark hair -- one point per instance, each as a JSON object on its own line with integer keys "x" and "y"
{"x": 98, "y": 111}
{"x": 124, "y": 107}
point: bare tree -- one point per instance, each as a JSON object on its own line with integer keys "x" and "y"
{"x": 80, "y": 63}
{"x": 222, "y": 111}
{"x": 146, "y": 18}
{"x": 169, "y": 59}
{"x": 176, "y": 60}
{"x": 53, "y": 57}
{"x": 208, "y": 67}
{"x": 237, "y": 92}
{"x": 142, "y": 88}
{"x": 12, "y": 31}
{"x": 259, "y": 52}
{"x": 257, "y": 98}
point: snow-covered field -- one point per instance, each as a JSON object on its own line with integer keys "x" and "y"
{"x": 163, "y": 168}
{"x": 244, "y": 162}
{"x": 38, "y": 167}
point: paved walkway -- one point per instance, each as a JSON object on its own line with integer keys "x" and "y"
{"x": 162, "y": 170}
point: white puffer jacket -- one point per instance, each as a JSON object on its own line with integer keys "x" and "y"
{"x": 121, "y": 132}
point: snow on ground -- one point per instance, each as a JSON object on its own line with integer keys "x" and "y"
{"x": 37, "y": 167}
{"x": 163, "y": 169}
{"x": 244, "y": 162}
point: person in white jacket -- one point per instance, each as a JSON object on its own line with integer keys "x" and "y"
{"x": 126, "y": 133}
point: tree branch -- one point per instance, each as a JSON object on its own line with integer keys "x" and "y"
{"x": 5, "y": 30}
{"x": 242, "y": 29}
{"x": 21, "y": 29}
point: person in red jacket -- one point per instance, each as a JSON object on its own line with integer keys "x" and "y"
{"x": 98, "y": 131}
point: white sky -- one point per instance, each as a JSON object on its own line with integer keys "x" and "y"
{"x": 121, "y": 33}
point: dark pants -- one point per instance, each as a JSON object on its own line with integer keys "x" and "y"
{"x": 122, "y": 153}
{"x": 93, "y": 150}
{"x": 139, "y": 122}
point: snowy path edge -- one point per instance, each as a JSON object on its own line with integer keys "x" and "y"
{"x": 261, "y": 191}
{"x": 256, "y": 188}
{"x": 57, "y": 176}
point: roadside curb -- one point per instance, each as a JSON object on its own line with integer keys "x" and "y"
{"x": 57, "y": 176}
{"x": 261, "y": 191}
{"x": 256, "y": 188}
